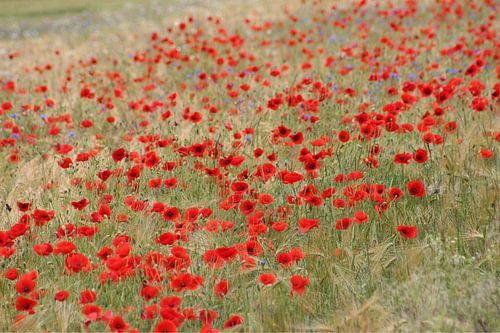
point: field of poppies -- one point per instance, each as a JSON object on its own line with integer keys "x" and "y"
{"x": 251, "y": 166}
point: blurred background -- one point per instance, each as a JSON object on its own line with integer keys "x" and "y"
{"x": 32, "y": 18}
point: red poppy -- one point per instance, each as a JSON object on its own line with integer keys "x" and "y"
{"x": 402, "y": 158}
{"x": 134, "y": 173}
{"x": 79, "y": 205}
{"x": 165, "y": 326}
{"x": 297, "y": 254}
{"x": 254, "y": 248}
{"x": 104, "y": 175}
{"x": 408, "y": 231}
{"x": 24, "y": 206}
{"x": 297, "y": 138}
{"x": 150, "y": 312}
{"x": 25, "y": 304}
{"x": 420, "y": 156}
{"x": 299, "y": 284}
{"x": 212, "y": 259}
{"x": 171, "y": 214}
{"x": 307, "y": 224}
{"x": 77, "y": 262}
{"x": 12, "y": 274}
{"x": 90, "y": 309}
{"x": 43, "y": 249}
{"x": 343, "y": 224}
{"x": 233, "y": 321}
{"x": 87, "y": 296}
{"x": 185, "y": 281}
{"x": 267, "y": 278}
{"x": 360, "y": 217}
{"x": 285, "y": 259}
{"x": 486, "y": 153}
{"x": 221, "y": 288}
{"x": 117, "y": 324}
{"x": 247, "y": 207}
{"x": 395, "y": 194}
{"x": 61, "y": 296}
{"x": 170, "y": 182}
{"x": 279, "y": 226}
{"x": 227, "y": 253}
{"x": 282, "y": 131}
{"x": 25, "y": 284}
{"x": 291, "y": 177}
{"x": 167, "y": 238}
{"x": 343, "y": 136}
{"x": 416, "y": 188}
{"x": 172, "y": 302}
{"x": 64, "y": 247}
{"x": 119, "y": 155}
{"x": 265, "y": 171}
{"x": 41, "y": 217}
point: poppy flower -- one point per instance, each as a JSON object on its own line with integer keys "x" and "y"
{"x": 299, "y": 284}
{"x": 25, "y": 304}
{"x": 402, "y": 158}
{"x": 254, "y": 248}
{"x": 172, "y": 302}
{"x": 279, "y": 226}
{"x": 87, "y": 296}
{"x": 265, "y": 171}
{"x": 41, "y": 217}
{"x": 297, "y": 138}
{"x": 247, "y": 207}
{"x": 416, "y": 188}
{"x": 285, "y": 259}
{"x": 212, "y": 259}
{"x": 150, "y": 312}
{"x": 43, "y": 249}
{"x": 307, "y": 224}
{"x": 220, "y": 289}
{"x": 117, "y": 324}
{"x": 119, "y": 155}
{"x": 343, "y": 136}
{"x": 61, "y": 296}
{"x": 267, "y": 278}
{"x": 25, "y": 284}
{"x": 77, "y": 262}
{"x": 408, "y": 231}
{"x": 134, "y": 173}
{"x": 338, "y": 203}
{"x": 297, "y": 254}
{"x": 360, "y": 217}
{"x": 171, "y": 214}
{"x": 486, "y": 153}
{"x": 79, "y": 205}
{"x": 185, "y": 281}
{"x": 64, "y": 247}
{"x": 12, "y": 273}
{"x": 227, "y": 253}
{"x": 291, "y": 177}
{"x": 343, "y": 224}
{"x": 23, "y": 206}
{"x": 233, "y": 321}
{"x": 265, "y": 199}
{"x": 395, "y": 194}
{"x": 420, "y": 156}
{"x": 167, "y": 238}
{"x": 165, "y": 326}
